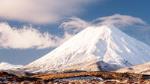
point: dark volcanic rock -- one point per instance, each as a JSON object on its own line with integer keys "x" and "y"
{"x": 76, "y": 78}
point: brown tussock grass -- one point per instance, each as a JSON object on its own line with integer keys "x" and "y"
{"x": 104, "y": 75}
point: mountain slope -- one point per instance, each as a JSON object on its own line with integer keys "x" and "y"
{"x": 94, "y": 48}
{"x": 142, "y": 68}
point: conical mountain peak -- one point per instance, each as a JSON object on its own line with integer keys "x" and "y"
{"x": 95, "y": 48}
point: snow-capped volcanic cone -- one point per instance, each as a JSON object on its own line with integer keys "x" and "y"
{"x": 94, "y": 48}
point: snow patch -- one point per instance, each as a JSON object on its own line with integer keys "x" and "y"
{"x": 7, "y": 66}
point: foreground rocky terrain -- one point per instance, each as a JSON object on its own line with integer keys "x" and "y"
{"x": 75, "y": 78}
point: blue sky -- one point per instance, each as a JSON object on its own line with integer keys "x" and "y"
{"x": 45, "y": 17}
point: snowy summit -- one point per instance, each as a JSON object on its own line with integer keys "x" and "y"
{"x": 95, "y": 48}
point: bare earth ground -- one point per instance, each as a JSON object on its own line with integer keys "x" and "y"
{"x": 96, "y": 77}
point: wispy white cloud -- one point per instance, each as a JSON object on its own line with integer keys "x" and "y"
{"x": 29, "y": 37}
{"x": 120, "y": 20}
{"x": 76, "y": 24}
{"x": 40, "y": 11}
{"x": 26, "y": 37}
